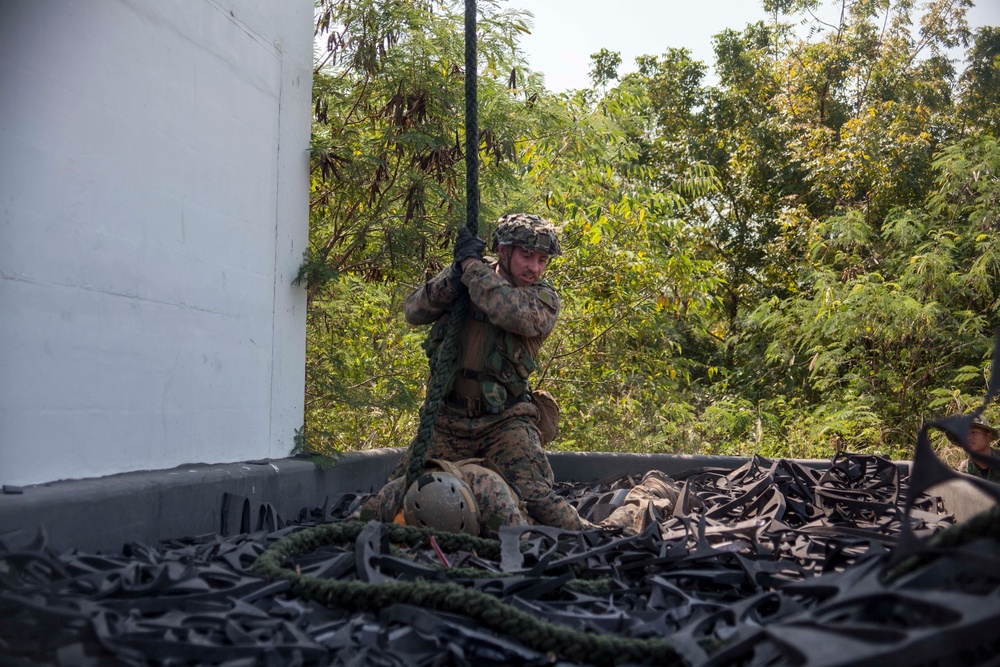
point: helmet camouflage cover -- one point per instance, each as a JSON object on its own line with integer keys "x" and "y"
{"x": 528, "y": 231}
{"x": 441, "y": 501}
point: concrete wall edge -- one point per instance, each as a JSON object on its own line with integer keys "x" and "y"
{"x": 106, "y": 513}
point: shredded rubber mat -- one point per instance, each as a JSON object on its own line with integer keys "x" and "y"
{"x": 771, "y": 564}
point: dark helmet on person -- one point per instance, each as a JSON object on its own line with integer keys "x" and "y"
{"x": 441, "y": 501}
{"x": 528, "y": 231}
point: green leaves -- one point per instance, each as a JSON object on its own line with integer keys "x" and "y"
{"x": 799, "y": 257}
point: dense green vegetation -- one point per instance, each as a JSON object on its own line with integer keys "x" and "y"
{"x": 796, "y": 257}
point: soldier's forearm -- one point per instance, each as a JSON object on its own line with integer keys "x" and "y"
{"x": 432, "y": 299}
{"x": 526, "y": 311}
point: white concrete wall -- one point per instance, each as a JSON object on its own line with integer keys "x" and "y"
{"x": 153, "y": 213}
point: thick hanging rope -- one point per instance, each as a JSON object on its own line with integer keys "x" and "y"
{"x": 441, "y": 363}
{"x": 471, "y": 121}
{"x": 444, "y": 357}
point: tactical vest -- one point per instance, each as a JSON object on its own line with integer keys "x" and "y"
{"x": 493, "y": 365}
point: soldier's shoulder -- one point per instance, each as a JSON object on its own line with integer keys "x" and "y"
{"x": 546, "y": 283}
{"x": 547, "y": 293}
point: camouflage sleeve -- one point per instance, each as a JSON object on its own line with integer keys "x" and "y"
{"x": 970, "y": 467}
{"x": 526, "y": 311}
{"x": 384, "y": 505}
{"x": 432, "y": 299}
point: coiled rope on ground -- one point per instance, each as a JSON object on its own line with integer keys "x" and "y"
{"x": 360, "y": 596}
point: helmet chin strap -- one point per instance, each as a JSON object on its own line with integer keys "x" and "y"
{"x": 507, "y": 269}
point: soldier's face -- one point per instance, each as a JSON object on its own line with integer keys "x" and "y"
{"x": 525, "y": 266}
{"x": 979, "y": 441}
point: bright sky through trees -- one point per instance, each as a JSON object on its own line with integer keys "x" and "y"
{"x": 567, "y": 32}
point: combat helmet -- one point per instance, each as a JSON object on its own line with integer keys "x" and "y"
{"x": 528, "y": 231}
{"x": 441, "y": 501}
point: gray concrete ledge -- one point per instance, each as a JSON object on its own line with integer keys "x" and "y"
{"x": 103, "y": 514}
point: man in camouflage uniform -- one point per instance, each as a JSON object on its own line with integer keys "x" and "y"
{"x": 494, "y": 503}
{"x": 981, "y": 436}
{"x": 488, "y": 411}
{"x": 657, "y": 490}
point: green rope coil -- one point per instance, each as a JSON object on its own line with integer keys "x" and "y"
{"x": 583, "y": 647}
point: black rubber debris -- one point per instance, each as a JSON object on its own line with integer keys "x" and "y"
{"x": 771, "y": 564}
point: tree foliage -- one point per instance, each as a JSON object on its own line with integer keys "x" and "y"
{"x": 796, "y": 257}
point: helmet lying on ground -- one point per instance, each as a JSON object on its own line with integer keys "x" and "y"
{"x": 441, "y": 501}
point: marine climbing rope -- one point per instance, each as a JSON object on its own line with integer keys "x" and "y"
{"x": 446, "y": 352}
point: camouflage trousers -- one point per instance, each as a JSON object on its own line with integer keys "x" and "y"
{"x": 498, "y": 504}
{"x": 512, "y": 442}
{"x": 655, "y": 490}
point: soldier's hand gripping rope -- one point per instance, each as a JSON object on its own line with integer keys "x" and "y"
{"x": 468, "y": 245}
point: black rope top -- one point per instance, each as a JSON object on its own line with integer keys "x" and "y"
{"x": 447, "y": 351}
{"x": 471, "y": 121}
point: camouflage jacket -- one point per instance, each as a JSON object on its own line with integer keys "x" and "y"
{"x": 500, "y": 340}
{"x": 990, "y": 474}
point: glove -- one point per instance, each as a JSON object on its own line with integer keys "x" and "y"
{"x": 467, "y": 246}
